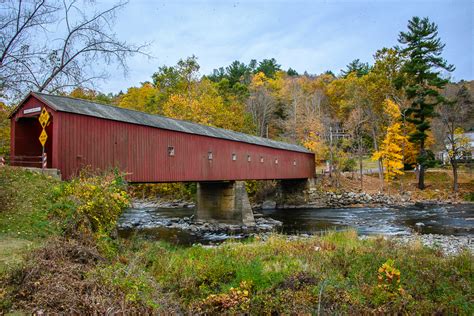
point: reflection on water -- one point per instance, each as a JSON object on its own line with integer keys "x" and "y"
{"x": 434, "y": 219}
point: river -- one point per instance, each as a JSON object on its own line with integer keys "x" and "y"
{"x": 457, "y": 220}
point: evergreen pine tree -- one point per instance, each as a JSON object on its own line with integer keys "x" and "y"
{"x": 421, "y": 81}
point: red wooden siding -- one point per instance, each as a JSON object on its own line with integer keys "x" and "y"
{"x": 142, "y": 151}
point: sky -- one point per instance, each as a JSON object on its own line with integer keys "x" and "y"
{"x": 312, "y": 36}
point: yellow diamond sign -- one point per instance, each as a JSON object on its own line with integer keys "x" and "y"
{"x": 44, "y": 117}
{"x": 43, "y": 137}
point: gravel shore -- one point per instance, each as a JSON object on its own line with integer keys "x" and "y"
{"x": 448, "y": 244}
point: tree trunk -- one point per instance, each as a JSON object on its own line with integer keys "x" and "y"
{"x": 421, "y": 172}
{"x": 379, "y": 161}
{"x": 421, "y": 177}
{"x": 361, "y": 173}
{"x": 455, "y": 175}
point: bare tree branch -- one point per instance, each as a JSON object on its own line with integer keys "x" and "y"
{"x": 72, "y": 59}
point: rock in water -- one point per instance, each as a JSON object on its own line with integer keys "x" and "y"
{"x": 268, "y": 205}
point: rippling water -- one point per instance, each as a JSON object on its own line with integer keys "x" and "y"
{"x": 433, "y": 219}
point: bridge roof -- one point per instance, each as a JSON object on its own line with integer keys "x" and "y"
{"x": 84, "y": 107}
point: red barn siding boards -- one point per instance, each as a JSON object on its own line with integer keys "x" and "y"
{"x": 78, "y": 140}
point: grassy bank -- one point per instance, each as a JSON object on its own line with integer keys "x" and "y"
{"x": 335, "y": 273}
{"x": 67, "y": 260}
{"x": 25, "y": 221}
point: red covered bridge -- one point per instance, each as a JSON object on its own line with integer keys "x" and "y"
{"x": 152, "y": 148}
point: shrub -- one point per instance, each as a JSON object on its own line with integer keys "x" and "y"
{"x": 235, "y": 301}
{"x": 349, "y": 164}
{"x": 91, "y": 203}
{"x": 469, "y": 197}
{"x": 170, "y": 191}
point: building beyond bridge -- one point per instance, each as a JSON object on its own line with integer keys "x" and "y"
{"x": 149, "y": 148}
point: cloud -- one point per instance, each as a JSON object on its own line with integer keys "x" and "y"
{"x": 306, "y": 35}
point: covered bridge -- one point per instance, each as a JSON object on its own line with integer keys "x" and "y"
{"x": 149, "y": 148}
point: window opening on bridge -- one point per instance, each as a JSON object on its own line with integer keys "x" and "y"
{"x": 294, "y": 162}
{"x": 261, "y": 159}
{"x": 209, "y": 155}
{"x": 234, "y": 157}
{"x": 249, "y": 159}
{"x": 170, "y": 151}
{"x": 276, "y": 161}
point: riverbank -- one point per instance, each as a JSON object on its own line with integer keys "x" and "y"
{"x": 336, "y": 273}
{"x": 447, "y": 244}
{"x": 66, "y": 259}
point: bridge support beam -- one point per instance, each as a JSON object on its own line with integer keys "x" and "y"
{"x": 293, "y": 192}
{"x": 225, "y": 202}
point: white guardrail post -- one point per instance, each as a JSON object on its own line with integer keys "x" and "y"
{"x": 44, "y": 161}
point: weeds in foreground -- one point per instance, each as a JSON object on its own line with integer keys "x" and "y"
{"x": 337, "y": 273}
{"x": 93, "y": 272}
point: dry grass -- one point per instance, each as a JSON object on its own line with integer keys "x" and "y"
{"x": 12, "y": 252}
{"x": 55, "y": 280}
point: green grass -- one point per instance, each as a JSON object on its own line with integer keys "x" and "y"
{"x": 12, "y": 253}
{"x": 25, "y": 198}
{"x": 337, "y": 272}
{"x": 368, "y": 163}
{"x": 25, "y": 201}
{"x": 283, "y": 276}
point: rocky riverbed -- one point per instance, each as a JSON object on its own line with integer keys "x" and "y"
{"x": 177, "y": 215}
{"x": 448, "y": 244}
{"x": 450, "y": 227}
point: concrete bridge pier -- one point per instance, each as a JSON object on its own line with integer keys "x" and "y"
{"x": 293, "y": 192}
{"x": 225, "y": 202}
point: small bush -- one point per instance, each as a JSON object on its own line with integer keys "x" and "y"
{"x": 469, "y": 197}
{"x": 349, "y": 165}
{"x": 91, "y": 204}
{"x": 237, "y": 300}
{"x": 167, "y": 191}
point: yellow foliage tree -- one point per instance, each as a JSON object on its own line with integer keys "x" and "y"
{"x": 91, "y": 95}
{"x": 141, "y": 99}
{"x": 4, "y": 130}
{"x": 391, "y": 149}
{"x": 204, "y": 105}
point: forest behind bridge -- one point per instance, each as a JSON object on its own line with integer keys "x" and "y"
{"x": 401, "y": 109}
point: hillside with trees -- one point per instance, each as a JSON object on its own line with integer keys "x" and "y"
{"x": 381, "y": 108}
{"x": 376, "y": 126}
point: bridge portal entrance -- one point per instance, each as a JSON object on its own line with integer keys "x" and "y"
{"x": 27, "y": 147}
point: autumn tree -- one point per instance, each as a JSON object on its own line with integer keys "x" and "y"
{"x": 452, "y": 113}
{"x": 306, "y": 112}
{"x": 391, "y": 149}
{"x": 204, "y": 105}
{"x": 4, "y": 130}
{"x": 91, "y": 95}
{"x": 144, "y": 98}
{"x": 177, "y": 79}
{"x": 261, "y": 103}
{"x": 422, "y": 82}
